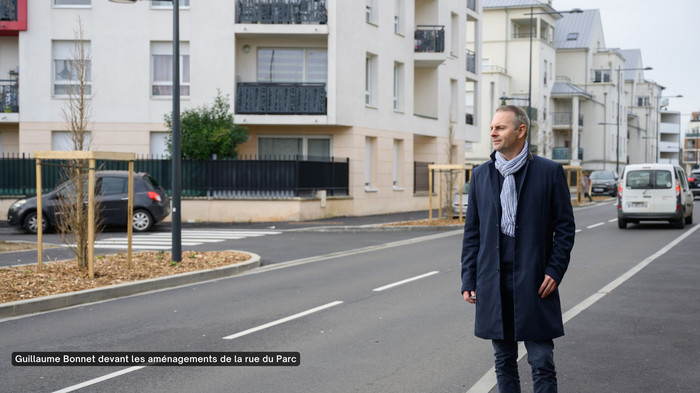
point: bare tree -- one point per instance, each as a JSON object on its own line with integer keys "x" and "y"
{"x": 450, "y": 175}
{"x": 72, "y": 222}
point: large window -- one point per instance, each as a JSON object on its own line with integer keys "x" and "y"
{"x": 643, "y": 101}
{"x": 601, "y": 76}
{"x": 398, "y": 86}
{"x": 65, "y": 69}
{"x": 162, "y": 69}
{"x": 371, "y": 11}
{"x": 292, "y": 65}
{"x": 291, "y": 147}
{"x": 159, "y": 144}
{"x": 371, "y": 80}
{"x": 61, "y": 140}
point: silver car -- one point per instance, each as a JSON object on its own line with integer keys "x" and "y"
{"x": 465, "y": 203}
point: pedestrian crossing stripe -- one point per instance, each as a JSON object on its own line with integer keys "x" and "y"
{"x": 163, "y": 240}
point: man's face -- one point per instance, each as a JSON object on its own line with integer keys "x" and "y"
{"x": 506, "y": 139}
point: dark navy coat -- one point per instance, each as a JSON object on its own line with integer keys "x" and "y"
{"x": 544, "y": 237}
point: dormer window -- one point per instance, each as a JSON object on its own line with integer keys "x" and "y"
{"x": 572, "y": 36}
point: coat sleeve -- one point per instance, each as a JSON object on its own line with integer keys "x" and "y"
{"x": 564, "y": 227}
{"x": 471, "y": 240}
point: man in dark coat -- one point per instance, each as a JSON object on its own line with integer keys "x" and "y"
{"x": 518, "y": 236}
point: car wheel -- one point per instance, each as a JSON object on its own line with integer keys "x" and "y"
{"x": 689, "y": 219}
{"x": 621, "y": 223}
{"x": 679, "y": 223}
{"x": 141, "y": 221}
{"x": 30, "y": 222}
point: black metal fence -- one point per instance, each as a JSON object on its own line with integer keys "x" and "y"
{"x": 429, "y": 38}
{"x": 281, "y": 98}
{"x": 281, "y": 11}
{"x": 270, "y": 177}
{"x": 9, "y": 96}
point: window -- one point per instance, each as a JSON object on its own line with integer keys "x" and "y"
{"x": 169, "y": 4}
{"x": 398, "y": 82}
{"x": 643, "y": 101}
{"x": 545, "y": 72}
{"x": 601, "y": 76}
{"x": 159, "y": 144}
{"x": 286, "y": 147}
{"x": 397, "y": 159}
{"x": 370, "y": 156}
{"x": 398, "y": 12}
{"x": 71, "y": 3}
{"x": 454, "y": 34}
{"x": 113, "y": 185}
{"x": 292, "y": 65}
{"x": 370, "y": 79}
{"x": 572, "y": 36}
{"x": 61, "y": 140}
{"x": 162, "y": 69}
{"x": 65, "y": 68}
{"x": 639, "y": 180}
{"x": 371, "y": 11}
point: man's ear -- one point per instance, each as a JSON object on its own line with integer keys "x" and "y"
{"x": 522, "y": 131}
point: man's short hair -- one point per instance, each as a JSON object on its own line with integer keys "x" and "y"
{"x": 519, "y": 116}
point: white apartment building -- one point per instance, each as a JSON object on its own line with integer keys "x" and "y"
{"x": 669, "y": 137}
{"x": 691, "y": 144}
{"x": 382, "y": 83}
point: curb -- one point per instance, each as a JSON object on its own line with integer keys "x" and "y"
{"x": 47, "y": 303}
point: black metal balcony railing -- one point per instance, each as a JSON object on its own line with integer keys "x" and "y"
{"x": 471, "y": 61}
{"x": 564, "y": 153}
{"x": 8, "y": 10}
{"x": 281, "y": 98}
{"x": 281, "y": 11}
{"x": 469, "y": 118}
{"x": 429, "y": 38}
{"x": 9, "y": 96}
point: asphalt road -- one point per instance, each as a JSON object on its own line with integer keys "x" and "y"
{"x": 383, "y": 314}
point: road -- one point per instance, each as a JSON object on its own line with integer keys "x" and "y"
{"x": 384, "y": 314}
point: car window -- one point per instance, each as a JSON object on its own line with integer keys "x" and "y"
{"x": 113, "y": 185}
{"x": 643, "y": 179}
{"x": 602, "y": 176}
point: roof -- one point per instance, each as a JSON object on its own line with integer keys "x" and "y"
{"x": 633, "y": 59}
{"x": 514, "y": 3}
{"x": 568, "y": 89}
{"x": 575, "y": 31}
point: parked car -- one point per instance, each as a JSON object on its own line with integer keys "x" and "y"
{"x": 694, "y": 182}
{"x": 603, "y": 183}
{"x": 657, "y": 192}
{"x": 465, "y": 202}
{"x": 151, "y": 203}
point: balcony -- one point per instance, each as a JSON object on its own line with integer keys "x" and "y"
{"x": 281, "y": 12}
{"x": 564, "y": 153}
{"x": 429, "y": 46}
{"x": 281, "y": 98}
{"x": 9, "y": 100}
{"x": 564, "y": 120}
{"x": 13, "y": 17}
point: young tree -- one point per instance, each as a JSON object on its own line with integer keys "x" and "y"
{"x": 208, "y": 130}
{"x": 72, "y": 224}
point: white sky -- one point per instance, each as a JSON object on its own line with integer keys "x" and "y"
{"x": 668, "y": 34}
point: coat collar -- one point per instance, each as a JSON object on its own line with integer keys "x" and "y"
{"x": 495, "y": 183}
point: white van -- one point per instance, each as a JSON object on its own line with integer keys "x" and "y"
{"x": 655, "y": 192}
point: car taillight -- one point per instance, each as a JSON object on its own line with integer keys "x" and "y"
{"x": 154, "y": 195}
{"x": 619, "y": 190}
{"x": 678, "y": 188}
{"x": 691, "y": 179}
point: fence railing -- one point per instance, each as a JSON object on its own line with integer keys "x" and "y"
{"x": 429, "y": 38}
{"x": 9, "y": 96}
{"x": 281, "y": 98}
{"x": 564, "y": 153}
{"x": 281, "y": 11}
{"x": 268, "y": 177}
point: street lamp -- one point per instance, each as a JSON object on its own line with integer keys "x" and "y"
{"x": 619, "y": 95}
{"x": 176, "y": 158}
{"x": 529, "y": 83}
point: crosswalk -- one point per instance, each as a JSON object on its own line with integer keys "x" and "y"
{"x": 163, "y": 240}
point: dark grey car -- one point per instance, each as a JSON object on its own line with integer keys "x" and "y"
{"x": 604, "y": 183}
{"x": 151, "y": 203}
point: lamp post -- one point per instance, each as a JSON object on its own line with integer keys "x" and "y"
{"x": 619, "y": 96}
{"x": 176, "y": 252}
{"x": 529, "y": 83}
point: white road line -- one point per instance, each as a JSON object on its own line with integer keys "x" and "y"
{"x": 405, "y": 281}
{"x": 283, "y": 320}
{"x": 595, "y": 225}
{"x": 488, "y": 381}
{"x": 98, "y": 380}
{"x": 613, "y": 220}
{"x": 579, "y": 230}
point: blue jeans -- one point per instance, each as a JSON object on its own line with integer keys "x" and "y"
{"x": 540, "y": 354}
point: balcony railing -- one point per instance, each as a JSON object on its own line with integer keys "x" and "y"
{"x": 564, "y": 119}
{"x": 564, "y": 153}
{"x": 429, "y": 38}
{"x": 471, "y": 4}
{"x": 281, "y": 11}
{"x": 9, "y": 96}
{"x": 471, "y": 61}
{"x": 281, "y": 98}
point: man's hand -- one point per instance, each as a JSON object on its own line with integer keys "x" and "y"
{"x": 469, "y": 296}
{"x": 548, "y": 286}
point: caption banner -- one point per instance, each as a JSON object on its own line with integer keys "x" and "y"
{"x": 155, "y": 358}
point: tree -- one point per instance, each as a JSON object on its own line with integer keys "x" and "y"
{"x": 72, "y": 224}
{"x": 208, "y": 130}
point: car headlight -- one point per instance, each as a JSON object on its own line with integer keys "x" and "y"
{"x": 17, "y": 204}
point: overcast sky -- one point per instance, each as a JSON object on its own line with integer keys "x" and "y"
{"x": 668, "y": 34}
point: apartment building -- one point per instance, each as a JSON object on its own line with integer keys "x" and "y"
{"x": 380, "y": 83}
{"x": 691, "y": 144}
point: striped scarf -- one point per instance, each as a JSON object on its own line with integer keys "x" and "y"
{"x": 509, "y": 196}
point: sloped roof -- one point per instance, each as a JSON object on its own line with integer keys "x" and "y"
{"x": 568, "y": 89}
{"x": 574, "y": 31}
{"x": 512, "y": 3}
{"x": 633, "y": 59}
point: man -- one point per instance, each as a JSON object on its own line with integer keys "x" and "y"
{"x": 518, "y": 236}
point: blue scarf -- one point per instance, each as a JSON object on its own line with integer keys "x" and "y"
{"x": 509, "y": 195}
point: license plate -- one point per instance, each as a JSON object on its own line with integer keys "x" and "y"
{"x": 637, "y": 204}
{"x": 597, "y": 190}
